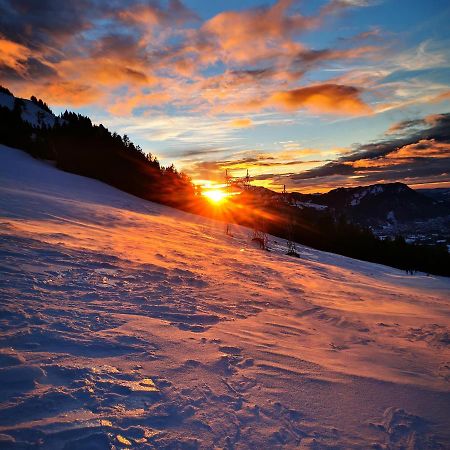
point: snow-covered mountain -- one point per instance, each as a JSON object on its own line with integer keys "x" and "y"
{"x": 127, "y": 324}
{"x": 30, "y": 111}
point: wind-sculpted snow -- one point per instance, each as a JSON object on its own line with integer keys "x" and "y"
{"x": 126, "y": 324}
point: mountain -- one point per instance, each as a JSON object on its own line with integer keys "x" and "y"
{"x": 129, "y": 324}
{"x": 439, "y": 195}
{"x": 377, "y": 204}
{"x": 388, "y": 209}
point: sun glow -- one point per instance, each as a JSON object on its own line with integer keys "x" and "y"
{"x": 215, "y": 195}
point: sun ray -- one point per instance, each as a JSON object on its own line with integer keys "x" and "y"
{"x": 215, "y": 195}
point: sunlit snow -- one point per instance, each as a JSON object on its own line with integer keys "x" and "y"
{"x": 129, "y": 324}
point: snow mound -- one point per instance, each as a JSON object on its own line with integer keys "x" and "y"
{"x": 127, "y": 324}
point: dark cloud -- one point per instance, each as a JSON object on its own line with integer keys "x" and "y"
{"x": 327, "y": 170}
{"x": 435, "y": 127}
{"x": 405, "y": 125}
{"x": 154, "y": 12}
{"x": 420, "y": 154}
{"x": 189, "y": 153}
{"x": 38, "y": 23}
{"x": 35, "y": 70}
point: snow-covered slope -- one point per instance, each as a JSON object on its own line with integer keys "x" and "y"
{"x": 128, "y": 324}
{"x": 31, "y": 112}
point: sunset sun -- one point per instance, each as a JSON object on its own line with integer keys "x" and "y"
{"x": 215, "y": 195}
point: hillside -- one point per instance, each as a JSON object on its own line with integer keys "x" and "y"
{"x": 31, "y": 112}
{"x": 128, "y": 324}
{"x": 74, "y": 144}
{"x": 388, "y": 209}
{"x": 439, "y": 195}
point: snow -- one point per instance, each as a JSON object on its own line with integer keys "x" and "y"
{"x": 36, "y": 116}
{"x": 315, "y": 206}
{"x": 31, "y": 112}
{"x": 358, "y": 196}
{"x": 129, "y": 324}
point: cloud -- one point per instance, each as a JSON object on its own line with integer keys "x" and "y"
{"x": 46, "y": 24}
{"x": 163, "y": 51}
{"x": 156, "y": 14}
{"x": 323, "y": 98}
{"x": 319, "y": 98}
{"x": 443, "y": 96}
{"x": 195, "y": 152}
{"x": 64, "y": 92}
{"x": 125, "y": 106}
{"x": 241, "y": 123}
{"x": 266, "y": 27}
{"x": 261, "y": 165}
{"x": 425, "y": 148}
{"x": 421, "y": 153}
{"x": 405, "y": 125}
{"x": 13, "y": 56}
{"x": 84, "y": 43}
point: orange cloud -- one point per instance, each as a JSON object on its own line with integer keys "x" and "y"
{"x": 323, "y": 98}
{"x": 145, "y": 44}
{"x": 241, "y": 123}
{"x": 111, "y": 71}
{"x": 125, "y": 106}
{"x": 66, "y": 92}
{"x": 441, "y": 97}
{"x": 374, "y": 163}
{"x": 62, "y": 93}
{"x": 267, "y": 32}
{"x": 425, "y": 148}
{"x": 147, "y": 14}
{"x": 14, "y": 55}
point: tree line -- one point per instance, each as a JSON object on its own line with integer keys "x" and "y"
{"x": 77, "y": 145}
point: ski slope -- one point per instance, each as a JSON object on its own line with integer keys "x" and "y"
{"x": 127, "y": 324}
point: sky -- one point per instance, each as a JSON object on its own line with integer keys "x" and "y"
{"x": 311, "y": 94}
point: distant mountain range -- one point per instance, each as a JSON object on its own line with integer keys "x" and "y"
{"x": 378, "y": 204}
{"x": 387, "y": 209}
